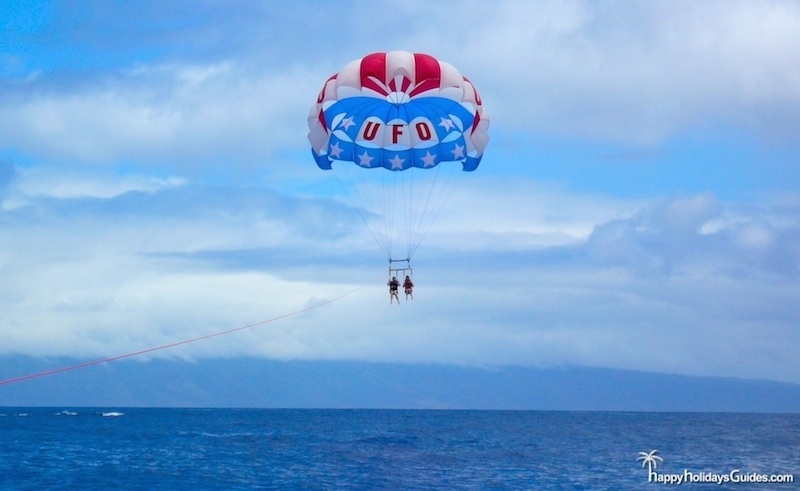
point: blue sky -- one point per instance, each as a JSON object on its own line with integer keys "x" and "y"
{"x": 637, "y": 206}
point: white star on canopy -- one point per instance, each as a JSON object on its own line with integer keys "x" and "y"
{"x": 365, "y": 160}
{"x": 447, "y": 123}
{"x": 428, "y": 160}
{"x": 347, "y": 123}
{"x": 335, "y": 151}
{"x": 458, "y": 151}
{"x": 397, "y": 162}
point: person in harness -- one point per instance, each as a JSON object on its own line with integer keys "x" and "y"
{"x": 394, "y": 285}
{"x": 408, "y": 286}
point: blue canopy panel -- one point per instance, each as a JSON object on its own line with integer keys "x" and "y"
{"x": 423, "y": 132}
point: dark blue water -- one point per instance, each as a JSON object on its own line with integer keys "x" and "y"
{"x": 45, "y": 448}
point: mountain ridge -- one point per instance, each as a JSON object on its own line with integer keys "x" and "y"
{"x": 251, "y": 382}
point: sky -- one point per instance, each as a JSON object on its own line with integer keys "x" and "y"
{"x": 637, "y": 207}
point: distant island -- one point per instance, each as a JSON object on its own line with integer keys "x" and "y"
{"x": 249, "y": 382}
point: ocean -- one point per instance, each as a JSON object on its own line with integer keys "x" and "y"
{"x": 144, "y": 448}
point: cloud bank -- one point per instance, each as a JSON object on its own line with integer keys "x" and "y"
{"x": 688, "y": 284}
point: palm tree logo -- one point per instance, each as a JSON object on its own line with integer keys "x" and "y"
{"x": 650, "y": 459}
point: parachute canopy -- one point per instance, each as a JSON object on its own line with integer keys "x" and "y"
{"x": 398, "y": 110}
{"x": 408, "y": 113}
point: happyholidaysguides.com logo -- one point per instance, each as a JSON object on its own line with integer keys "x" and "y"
{"x": 651, "y": 461}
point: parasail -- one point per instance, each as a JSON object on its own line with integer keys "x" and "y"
{"x": 390, "y": 123}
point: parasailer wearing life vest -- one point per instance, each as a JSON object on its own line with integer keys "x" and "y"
{"x": 394, "y": 285}
{"x": 408, "y": 286}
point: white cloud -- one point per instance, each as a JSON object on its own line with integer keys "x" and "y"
{"x": 43, "y": 182}
{"x": 630, "y": 71}
{"x": 207, "y": 115}
{"x": 646, "y": 286}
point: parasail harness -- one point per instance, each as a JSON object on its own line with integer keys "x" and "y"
{"x": 401, "y": 269}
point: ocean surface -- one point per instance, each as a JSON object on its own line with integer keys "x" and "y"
{"x": 134, "y": 448}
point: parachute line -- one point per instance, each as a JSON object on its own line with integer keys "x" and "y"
{"x": 435, "y": 204}
{"x": 358, "y": 193}
{"x": 406, "y": 203}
